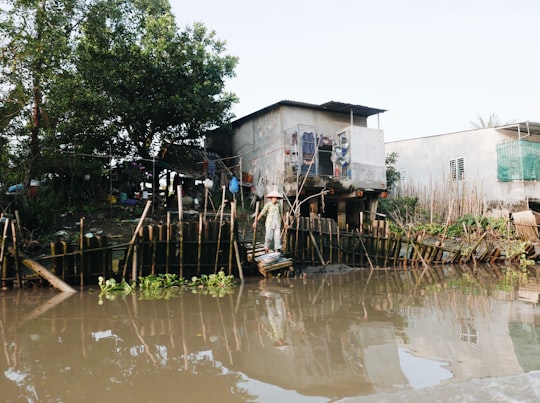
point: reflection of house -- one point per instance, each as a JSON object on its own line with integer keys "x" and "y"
{"x": 322, "y": 147}
{"x": 497, "y": 166}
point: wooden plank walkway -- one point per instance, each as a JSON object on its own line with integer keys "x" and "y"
{"x": 255, "y": 253}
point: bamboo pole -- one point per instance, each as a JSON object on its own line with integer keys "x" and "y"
{"x": 340, "y": 251}
{"x": 199, "y": 245}
{"x": 16, "y": 253}
{"x": 18, "y": 221}
{"x": 81, "y": 252}
{"x": 241, "y": 189}
{"x": 153, "y": 238}
{"x": 312, "y": 241}
{"x": 316, "y": 248}
{"x": 205, "y": 201}
{"x": 468, "y": 257}
{"x": 219, "y": 229}
{"x": 41, "y": 271}
{"x": 134, "y": 237}
{"x": 321, "y": 245}
{"x": 4, "y": 237}
{"x": 295, "y": 235}
{"x": 255, "y": 231}
{"x": 231, "y": 234}
{"x": 330, "y": 241}
{"x": 168, "y": 249}
{"x": 134, "y": 264}
{"x": 180, "y": 230}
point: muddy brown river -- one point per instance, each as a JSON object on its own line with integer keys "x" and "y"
{"x": 320, "y": 338}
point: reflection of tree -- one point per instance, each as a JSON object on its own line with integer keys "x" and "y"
{"x": 341, "y": 341}
{"x": 126, "y": 350}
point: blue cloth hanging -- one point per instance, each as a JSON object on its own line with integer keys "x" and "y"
{"x": 233, "y": 185}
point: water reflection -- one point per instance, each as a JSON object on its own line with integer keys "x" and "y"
{"x": 318, "y": 338}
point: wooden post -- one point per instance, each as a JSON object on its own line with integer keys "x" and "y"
{"x": 199, "y": 240}
{"x": 255, "y": 231}
{"x": 330, "y": 240}
{"x": 5, "y": 220}
{"x": 205, "y": 201}
{"x": 238, "y": 262}
{"x": 219, "y": 230}
{"x": 16, "y": 253}
{"x": 231, "y": 234}
{"x": 315, "y": 247}
{"x": 180, "y": 230}
{"x": 338, "y": 236}
{"x": 81, "y": 252}
{"x": 134, "y": 237}
{"x": 134, "y": 264}
{"x": 4, "y": 263}
{"x": 297, "y": 234}
{"x": 168, "y": 248}
{"x": 152, "y": 238}
{"x": 241, "y": 188}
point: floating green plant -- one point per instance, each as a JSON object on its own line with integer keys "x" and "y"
{"x": 166, "y": 286}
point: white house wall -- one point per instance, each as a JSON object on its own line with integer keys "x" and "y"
{"x": 367, "y": 158}
{"x": 425, "y": 162}
{"x": 260, "y": 141}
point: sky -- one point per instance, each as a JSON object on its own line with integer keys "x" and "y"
{"x": 435, "y": 66}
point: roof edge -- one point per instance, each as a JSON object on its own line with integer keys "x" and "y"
{"x": 331, "y": 106}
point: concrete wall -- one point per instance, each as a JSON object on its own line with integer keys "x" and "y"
{"x": 367, "y": 158}
{"x": 425, "y": 162}
{"x": 265, "y": 145}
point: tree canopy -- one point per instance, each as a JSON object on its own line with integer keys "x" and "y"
{"x": 89, "y": 76}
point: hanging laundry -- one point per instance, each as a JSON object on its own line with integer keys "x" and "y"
{"x": 211, "y": 168}
{"x": 308, "y": 147}
{"x": 233, "y": 185}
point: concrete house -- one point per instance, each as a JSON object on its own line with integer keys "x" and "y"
{"x": 500, "y": 166}
{"x": 305, "y": 149}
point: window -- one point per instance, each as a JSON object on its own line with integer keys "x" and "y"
{"x": 457, "y": 168}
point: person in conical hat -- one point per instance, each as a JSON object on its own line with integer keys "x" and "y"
{"x": 273, "y": 212}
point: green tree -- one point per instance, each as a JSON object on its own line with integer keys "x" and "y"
{"x": 392, "y": 175}
{"x": 157, "y": 85}
{"x": 34, "y": 44}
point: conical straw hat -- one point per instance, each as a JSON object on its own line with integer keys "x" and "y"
{"x": 274, "y": 193}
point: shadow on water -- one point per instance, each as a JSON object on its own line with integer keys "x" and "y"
{"x": 338, "y": 335}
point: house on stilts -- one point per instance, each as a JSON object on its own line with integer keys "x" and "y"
{"x": 305, "y": 150}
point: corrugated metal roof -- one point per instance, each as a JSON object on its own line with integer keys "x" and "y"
{"x": 332, "y": 106}
{"x": 526, "y": 130}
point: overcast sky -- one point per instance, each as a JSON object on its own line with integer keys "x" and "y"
{"x": 435, "y": 66}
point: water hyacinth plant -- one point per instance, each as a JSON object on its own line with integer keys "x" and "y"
{"x": 168, "y": 285}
